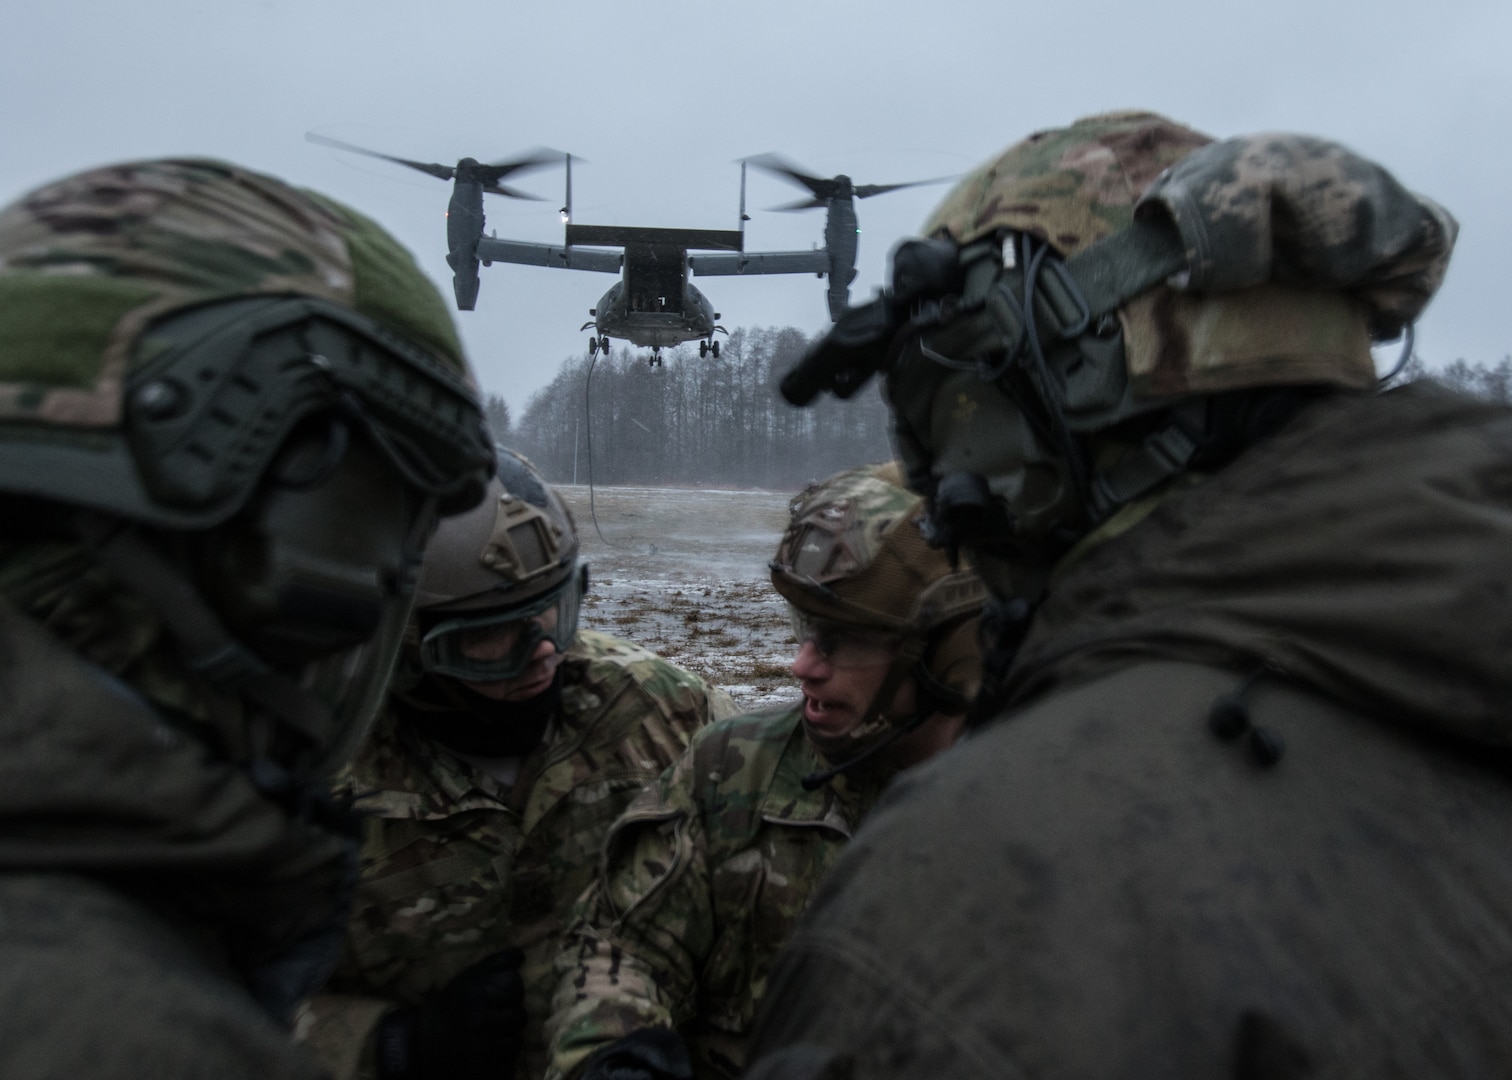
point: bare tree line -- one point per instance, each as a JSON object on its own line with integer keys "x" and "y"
{"x": 708, "y": 422}
{"x": 694, "y": 422}
{"x": 1492, "y": 382}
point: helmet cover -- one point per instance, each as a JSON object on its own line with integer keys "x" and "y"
{"x": 165, "y": 324}
{"x": 854, "y": 552}
{"x": 1298, "y": 251}
{"x": 855, "y": 555}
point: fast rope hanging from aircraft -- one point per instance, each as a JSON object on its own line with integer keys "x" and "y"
{"x": 588, "y": 423}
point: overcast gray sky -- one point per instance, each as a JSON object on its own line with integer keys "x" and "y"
{"x": 661, "y": 97}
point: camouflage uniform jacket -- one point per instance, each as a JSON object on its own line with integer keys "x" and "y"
{"x": 457, "y": 865}
{"x": 704, "y": 879}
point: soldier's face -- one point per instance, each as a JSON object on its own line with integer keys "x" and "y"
{"x": 496, "y": 642}
{"x": 835, "y": 698}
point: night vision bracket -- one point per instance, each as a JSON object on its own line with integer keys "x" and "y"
{"x": 935, "y": 282}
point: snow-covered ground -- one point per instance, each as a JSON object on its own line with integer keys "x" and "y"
{"x": 684, "y": 572}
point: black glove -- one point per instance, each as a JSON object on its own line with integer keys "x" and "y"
{"x": 472, "y": 1027}
{"x": 649, "y": 1054}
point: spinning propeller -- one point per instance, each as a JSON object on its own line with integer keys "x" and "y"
{"x": 837, "y": 196}
{"x": 464, "y": 216}
{"x": 469, "y": 170}
{"x": 826, "y": 189}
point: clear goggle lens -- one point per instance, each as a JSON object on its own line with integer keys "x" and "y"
{"x": 500, "y": 645}
{"x": 845, "y": 646}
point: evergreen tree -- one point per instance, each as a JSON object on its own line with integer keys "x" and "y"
{"x": 496, "y": 412}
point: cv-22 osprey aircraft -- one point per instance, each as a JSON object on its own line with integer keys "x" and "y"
{"x": 654, "y": 304}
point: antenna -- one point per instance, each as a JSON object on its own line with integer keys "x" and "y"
{"x": 567, "y": 206}
{"x": 744, "y": 217}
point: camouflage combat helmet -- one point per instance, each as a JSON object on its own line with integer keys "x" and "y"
{"x": 1104, "y": 307}
{"x": 1256, "y": 217}
{"x": 855, "y": 560}
{"x": 164, "y": 325}
{"x": 512, "y": 558}
{"x": 248, "y": 405}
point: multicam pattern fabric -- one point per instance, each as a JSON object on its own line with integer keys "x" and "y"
{"x": 1299, "y": 251}
{"x": 854, "y": 551}
{"x": 1069, "y": 186}
{"x": 105, "y": 252}
{"x": 838, "y": 526}
{"x": 1287, "y": 208}
{"x": 67, "y": 590}
{"x": 457, "y": 865}
{"x": 704, "y": 879}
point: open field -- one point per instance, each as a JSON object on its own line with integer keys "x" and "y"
{"x": 684, "y": 572}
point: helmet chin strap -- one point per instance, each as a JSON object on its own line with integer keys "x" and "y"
{"x": 820, "y": 777}
{"x": 208, "y": 646}
{"x": 211, "y": 650}
{"x": 931, "y": 697}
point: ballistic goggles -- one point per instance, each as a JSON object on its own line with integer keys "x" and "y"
{"x": 842, "y": 645}
{"x": 498, "y": 645}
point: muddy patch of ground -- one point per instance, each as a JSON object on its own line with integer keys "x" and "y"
{"x": 684, "y": 572}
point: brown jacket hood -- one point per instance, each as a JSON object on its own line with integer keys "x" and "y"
{"x": 1364, "y": 551}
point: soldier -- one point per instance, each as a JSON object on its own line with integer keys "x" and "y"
{"x": 706, "y": 874}
{"x": 1246, "y": 811}
{"x": 230, "y": 413}
{"x": 511, "y": 742}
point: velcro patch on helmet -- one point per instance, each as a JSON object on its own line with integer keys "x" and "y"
{"x": 525, "y": 542}
{"x": 837, "y": 527}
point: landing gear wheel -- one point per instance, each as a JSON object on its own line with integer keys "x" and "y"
{"x": 604, "y": 344}
{"x": 703, "y": 349}
{"x": 593, "y": 346}
{"x": 656, "y": 360}
{"x": 714, "y": 348}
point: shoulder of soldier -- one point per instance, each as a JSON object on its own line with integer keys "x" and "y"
{"x": 606, "y": 666}
{"x": 390, "y": 763}
{"x": 82, "y": 950}
{"x": 735, "y": 760}
{"x": 725, "y": 778}
{"x": 605, "y": 654}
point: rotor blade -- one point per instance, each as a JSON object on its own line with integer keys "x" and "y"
{"x": 441, "y": 172}
{"x": 780, "y": 167}
{"x": 513, "y": 193}
{"x": 538, "y": 158}
{"x": 866, "y": 191}
{"x": 801, "y": 204}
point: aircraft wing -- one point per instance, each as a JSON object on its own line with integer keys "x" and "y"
{"x": 760, "y": 262}
{"x": 492, "y": 250}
